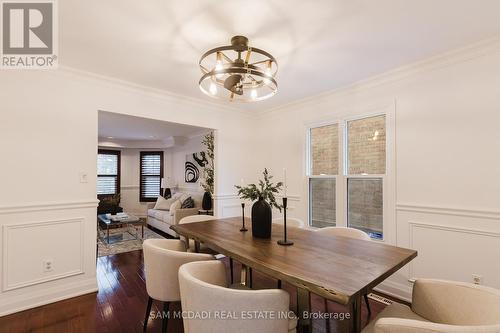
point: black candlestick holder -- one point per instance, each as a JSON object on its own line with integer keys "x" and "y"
{"x": 243, "y": 217}
{"x": 284, "y": 241}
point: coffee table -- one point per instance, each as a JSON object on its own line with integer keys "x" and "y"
{"x": 105, "y": 223}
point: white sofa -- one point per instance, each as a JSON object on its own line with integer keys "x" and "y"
{"x": 163, "y": 219}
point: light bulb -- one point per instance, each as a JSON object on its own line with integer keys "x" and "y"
{"x": 253, "y": 93}
{"x": 213, "y": 88}
{"x": 219, "y": 66}
{"x": 218, "y": 62}
{"x": 268, "y": 69}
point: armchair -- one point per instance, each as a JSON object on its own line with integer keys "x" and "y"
{"x": 442, "y": 307}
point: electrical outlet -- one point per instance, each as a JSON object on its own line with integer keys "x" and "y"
{"x": 477, "y": 279}
{"x": 48, "y": 265}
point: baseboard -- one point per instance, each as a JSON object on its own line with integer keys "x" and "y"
{"x": 46, "y": 296}
{"x": 395, "y": 290}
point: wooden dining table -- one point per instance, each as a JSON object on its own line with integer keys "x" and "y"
{"x": 337, "y": 268}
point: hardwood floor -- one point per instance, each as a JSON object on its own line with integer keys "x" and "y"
{"x": 120, "y": 304}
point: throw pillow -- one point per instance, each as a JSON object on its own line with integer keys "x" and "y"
{"x": 188, "y": 203}
{"x": 163, "y": 204}
{"x": 176, "y": 205}
{"x": 176, "y": 195}
{"x": 183, "y": 197}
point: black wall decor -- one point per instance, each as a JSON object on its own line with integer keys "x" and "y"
{"x": 194, "y": 163}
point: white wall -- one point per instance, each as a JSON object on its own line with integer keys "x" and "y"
{"x": 176, "y": 162}
{"x": 48, "y": 137}
{"x": 447, "y": 116}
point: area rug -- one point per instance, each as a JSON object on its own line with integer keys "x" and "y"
{"x": 128, "y": 244}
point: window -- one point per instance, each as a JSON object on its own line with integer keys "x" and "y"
{"x": 322, "y": 202}
{"x": 347, "y": 175}
{"x": 324, "y": 166}
{"x": 366, "y": 146}
{"x": 108, "y": 172}
{"x": 151, "y": 172}
{"x": 366, "y": 158}
{"x": 365, "y": 205}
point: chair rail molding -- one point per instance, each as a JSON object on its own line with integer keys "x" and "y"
{"x": 44, "y": 206}
{"x": 443, "y": 210}
{"x": 130, "y": 187}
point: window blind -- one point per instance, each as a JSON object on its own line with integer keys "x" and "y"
{"x": 151, "y": 174}
{"x": 108, "y": 172}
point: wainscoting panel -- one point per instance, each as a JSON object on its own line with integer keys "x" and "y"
{"x": 28, "y": 246}
{"x": 452, "y": 244}
{"x": 454, "y": 253}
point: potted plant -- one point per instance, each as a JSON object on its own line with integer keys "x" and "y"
{"x": 263, "y": 195}
{"x": 208, "y": 171}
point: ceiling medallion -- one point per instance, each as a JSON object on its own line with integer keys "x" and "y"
{"x": 238, "y": 72}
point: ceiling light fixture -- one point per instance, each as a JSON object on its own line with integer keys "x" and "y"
{"x": 246, "y": 74}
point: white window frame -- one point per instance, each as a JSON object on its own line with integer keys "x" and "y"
{"x": 388, "y": 179}
{"x": 309, "y": 175}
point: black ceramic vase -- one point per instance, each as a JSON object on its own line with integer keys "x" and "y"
{"x": 206, "y": 203}
{"x": 261, "y": 219}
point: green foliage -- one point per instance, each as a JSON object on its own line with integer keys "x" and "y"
{"x": 208, "y": 170}
{"x": 264, "y": 189}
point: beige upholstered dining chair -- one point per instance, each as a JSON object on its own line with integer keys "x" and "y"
{"x": 350, "y": 233}
{"x": 290, "y": 222}
{"x": 344, "y": 232}
{"x": 442, "y": 307}
{"x": 190, "y": 244}
{"x": 204, "y": 290}
{"x": 162, "y": 259}
{"x": 196, "y": 218}
{"x": 193, "y": 219}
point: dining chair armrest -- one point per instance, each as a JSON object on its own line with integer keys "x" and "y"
{"x": 400, "y": 325}
{"x": 455, "y": 303}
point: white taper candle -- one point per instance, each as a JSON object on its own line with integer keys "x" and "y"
{"x": 284, "y": 181}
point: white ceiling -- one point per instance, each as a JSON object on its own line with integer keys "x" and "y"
{"x": 319, "y": 45}
{"x": 122, "y": 127}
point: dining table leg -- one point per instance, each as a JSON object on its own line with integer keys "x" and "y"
{"x": 303, "y": 310}
{"x": 245, "y": 275}
{"x": 355, "y": 309}
{"x": 231, "y": 269}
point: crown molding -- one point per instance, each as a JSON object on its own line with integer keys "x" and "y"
{"x": 162, "y": 94}
{"x": 436, "y": 62}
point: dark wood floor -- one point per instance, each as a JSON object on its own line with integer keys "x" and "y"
{"x": 120, "y": 304}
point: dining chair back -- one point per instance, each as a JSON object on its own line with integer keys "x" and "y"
{"x": 204, "y": 290}
{"x": 162, "y": 259}
{"x": 344, "y": 232}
